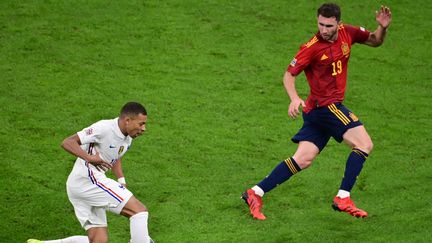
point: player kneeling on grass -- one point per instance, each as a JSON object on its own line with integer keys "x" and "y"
{"x": 99, "y": 148}
{"x": 324, "y": 59}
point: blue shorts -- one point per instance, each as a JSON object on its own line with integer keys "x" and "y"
{"x": 324, "y": 122}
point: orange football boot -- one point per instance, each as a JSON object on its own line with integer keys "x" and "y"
{"x": 255, "y": 204}
{"x": 347, "y": 205}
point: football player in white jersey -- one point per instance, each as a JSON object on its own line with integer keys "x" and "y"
{"x": 100, "y": 148}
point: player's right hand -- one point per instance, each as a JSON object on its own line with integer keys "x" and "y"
{"x": 294, "y": 107}
{"x": 384, "y": 16}
{"x": 98, "y": 162}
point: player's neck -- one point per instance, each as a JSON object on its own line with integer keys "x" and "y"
{"x": 122, "y": 126}
{"x": 334, "y": 39}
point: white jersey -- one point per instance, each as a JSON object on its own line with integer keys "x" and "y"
{"x": 89, "y": 190}
{"x": 106, "y": 138}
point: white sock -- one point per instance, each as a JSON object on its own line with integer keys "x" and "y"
{"x": 138, "y": 228}
{"x": 343, "y": 194}
{"x": 258, "y": 191}
{"x": 72, "y": 239}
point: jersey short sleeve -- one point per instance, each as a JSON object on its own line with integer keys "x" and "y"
{"x": 91, "y": 134}
{"x": 358, "y": 34}
{"x": 303, "y": 57}
{"x": 300, "y": 61}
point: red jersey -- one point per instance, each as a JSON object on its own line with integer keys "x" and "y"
{"x": 325, "y": 65}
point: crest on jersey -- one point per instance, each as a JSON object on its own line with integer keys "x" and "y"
{"x": 353, "y": 117}
{"x": 121, "y": 150}
{"x": 345, "y": 49}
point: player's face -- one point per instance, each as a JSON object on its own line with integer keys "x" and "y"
{"x": 327, "y": 28}
{"x": 136, "y": 125}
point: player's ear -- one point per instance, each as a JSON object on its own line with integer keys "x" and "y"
{"x": 127, "y": 119}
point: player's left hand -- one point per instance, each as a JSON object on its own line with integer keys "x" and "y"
{"x": 98, "y": 162}
{"x": 383, "y": 16}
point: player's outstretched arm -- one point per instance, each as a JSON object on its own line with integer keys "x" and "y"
{"x": 383, "y": 18}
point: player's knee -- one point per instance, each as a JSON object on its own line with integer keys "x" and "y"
{"x": 138, "y": 211}
{"x": 140, "y": 207}
{"x": 304, "y": 161}
{"x": 98, "y": 238}
{"x": 369, "y": 147}
{"x": 132, "y": 207}
{"x": 305, "y": 154}
{"x": 366, "y": 146}
{"x": 305, "y": 164}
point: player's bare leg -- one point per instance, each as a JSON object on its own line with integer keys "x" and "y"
{"x": 98, "y": 235}
{"x": 305, "y": 154}
{"x": 71, "y": 239}
{"x": 358, "y": 137}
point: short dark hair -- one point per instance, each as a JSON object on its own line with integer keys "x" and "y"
{"x": 329, "y": 10}
{"x": 132, "y": 108}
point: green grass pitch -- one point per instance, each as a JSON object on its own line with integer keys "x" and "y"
{"x": 210, "y": 75}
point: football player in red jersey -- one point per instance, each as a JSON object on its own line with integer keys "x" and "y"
{"x": 324, "y": 60}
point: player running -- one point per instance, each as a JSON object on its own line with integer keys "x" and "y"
{"x": 324, "y": 60}
{"x": 99, "y": 148}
